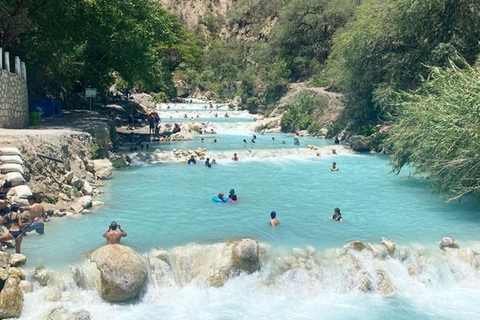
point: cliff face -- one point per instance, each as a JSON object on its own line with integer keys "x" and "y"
{"x": 246, "y": 20}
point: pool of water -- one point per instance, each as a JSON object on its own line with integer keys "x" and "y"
{"x": 170, "y": 204}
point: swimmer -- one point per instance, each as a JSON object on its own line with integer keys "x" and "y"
{"x": 283, "y": 142}
{"x": 232, "y": 195}
{"x": 245, "y": 141}
{"x": 273, "y": 138}
{"x": 112, "y": 235}
{"x": 334, "y": 151}
{"x": 202, "y": 141}
{"x": 273, "y": 219}
{"x": 220, "y": 196}
{"x": 235, "y": 157}
{"x": 334, "y": 167}
{"x": 214, "y": 140}
{"x": 192, "y": 160}
{"x": 337, "y": 216}
{"x": 213, "y": 161}
{"x": 207, "y": 163}
{"x": 336, "y": 140}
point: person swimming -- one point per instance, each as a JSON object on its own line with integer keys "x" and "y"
{"x": 207, "y": 163}
{"x": 334, "y": 167}
{"x": 235, "y": 157}
{"x": 273, "y": 219}
{"x": 221, "y": 197}
{"x": 245, "y": 141}
{"x": 213, "y": 161}
{"x": 232, "y": 195}
{"x": 192, "y": 160}
{"x": 337, "y": 216}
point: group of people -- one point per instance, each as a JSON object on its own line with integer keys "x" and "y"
{"x": 17, "y": 225}
{"x": 337, "y": 216}
{"x": 232, "y": 196}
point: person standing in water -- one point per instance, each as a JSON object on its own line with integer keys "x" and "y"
{"x": 235, "y": 157}
{"x": 192, "y": 160}
{"x": 37, "y": 214}
{"x": 273, "y": 219}
{"x": 112, "y": 235}
{"x": 207, "y": 163}
{"x": 14, "y": 222}
{"x": 334, "y": 167}
{"x": 232, "y": 195}
{"x": 337, "y": 216}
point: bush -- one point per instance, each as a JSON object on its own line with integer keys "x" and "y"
{"x": 97, "y": 152}
{"x": 301, "y": 110}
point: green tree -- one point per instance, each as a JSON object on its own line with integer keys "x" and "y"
{"x": 437, "y": 131}
{"x": 387, "y": 44}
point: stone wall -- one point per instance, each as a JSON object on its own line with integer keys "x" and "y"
{"x": 13, "y": 101}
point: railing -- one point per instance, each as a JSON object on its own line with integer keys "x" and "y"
{"x": 20, "y": 68}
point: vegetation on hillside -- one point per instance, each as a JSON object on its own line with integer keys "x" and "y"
{"x": 437, "y": 131}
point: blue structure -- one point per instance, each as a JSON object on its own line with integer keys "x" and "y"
{"x": 47, "y": 107}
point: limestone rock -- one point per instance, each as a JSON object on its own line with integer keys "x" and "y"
{"x": 41, "y": 275}
{"x": 16, "y": 272}
{"x": 359, "y": 143}
{"x": 76, "y": 207}
{"x": 97, "y": 203}
{"x": 181, "y": 136}
{"x": 214, "y": 264}
{"x": 103, "y": 168}
{"x": 448, "y": 242}
{"x": 299, "y": 253}
{"x": 123, "y": 272}
{"x": 11, "y": 299}
{"x": 85, "y": 202}
{"x": 90, "y": 166}
{"x": 69, "y": 176}
{"x": 26, "y": 286}
{"x": 53, "y": 293}
{"x": 389, "y": 245}
{"x": 77, "y": 182}
{"x": 17, "y": 260}
{"x": 61, "y": 314}
{"x": 4, "y": 258}
{"x": 3, "y": 274}
{"x": 87, "y": 189}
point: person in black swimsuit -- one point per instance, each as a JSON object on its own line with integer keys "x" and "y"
{"x": 337, "y": 216}
{"x": 4, "y": 201}
{"x": 14, "y": 221}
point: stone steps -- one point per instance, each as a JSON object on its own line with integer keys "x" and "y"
{"x": 11, "y": 169}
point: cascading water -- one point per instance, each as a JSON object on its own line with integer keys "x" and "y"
{"x": 169, "y": 206}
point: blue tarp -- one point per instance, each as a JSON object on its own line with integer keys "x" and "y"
{"x": 47, "y": 107}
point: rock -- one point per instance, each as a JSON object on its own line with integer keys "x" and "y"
{"x": 69, "y": 176}
{"x": 123, "y": 272}
{"x": 310, "y": 250}
{"x": 86, "y": 211}
{"x": 214, "y": 264}
{"x": 359, "y": 143}
{"x": 77, "y": 183}
{"x": 16, "y": 272}
{"x": 389, "y": 245}
{"x": 103, "y": 168}
{"x": 3, "y": 274}
{"x": 77, "y": 166}
{"x": 76, "y": 207}
{"x": 181, "y": 136}
{"x": 358, "y": 246}
{"x": 236, "y": 102}
{"x": 87, "y": 189}
{"x": 4, "y": 260}
{"x": 385, "y": 286}
{"x": 97, "y": 203}
{"x": 61, "y": 314}
{"x": 448, "y": 242}
{"x": 53, "y": 293}
{"x": 59, "y": 213}
{"x": 41, "y": 275}
{"x": 11, "y": 299}
{"x": 299, "y": 253}
{"x": 17, "y": 260}
{"x": 209, "y": 95}
{"x": 26, "y": 286}
{"x": 85, "y": 202}
{"x": 90, "y": 167}
{"x": 63, "y": 196}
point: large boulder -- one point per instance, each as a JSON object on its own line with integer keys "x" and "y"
{"x": 11, "y": 299}
{"x": 181, "y": 136}
{"x": 17, "y": 260}
{"x": 448, "y": 242}
{"x": 85, "y": 202}
{"x": 123, "y": 272}
{"x": 360, "y": 143}
{"x": 215, "y": 264}
{"x": 41, "y": 275}
{"x": 103, "y": 168}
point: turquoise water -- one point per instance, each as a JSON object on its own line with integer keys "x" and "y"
{"x": 170, "y": 204}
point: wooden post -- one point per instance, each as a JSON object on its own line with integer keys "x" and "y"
{"x": 17, "y": 65}
{"x": 7, "y": 61}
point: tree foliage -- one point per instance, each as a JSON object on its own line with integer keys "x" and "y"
{"x": 301, "y": 109}
{"x": 387, "y": 44}
{"x": 437, "y": 131}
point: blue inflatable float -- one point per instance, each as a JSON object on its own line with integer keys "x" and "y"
{"x": 217, "y": 199}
